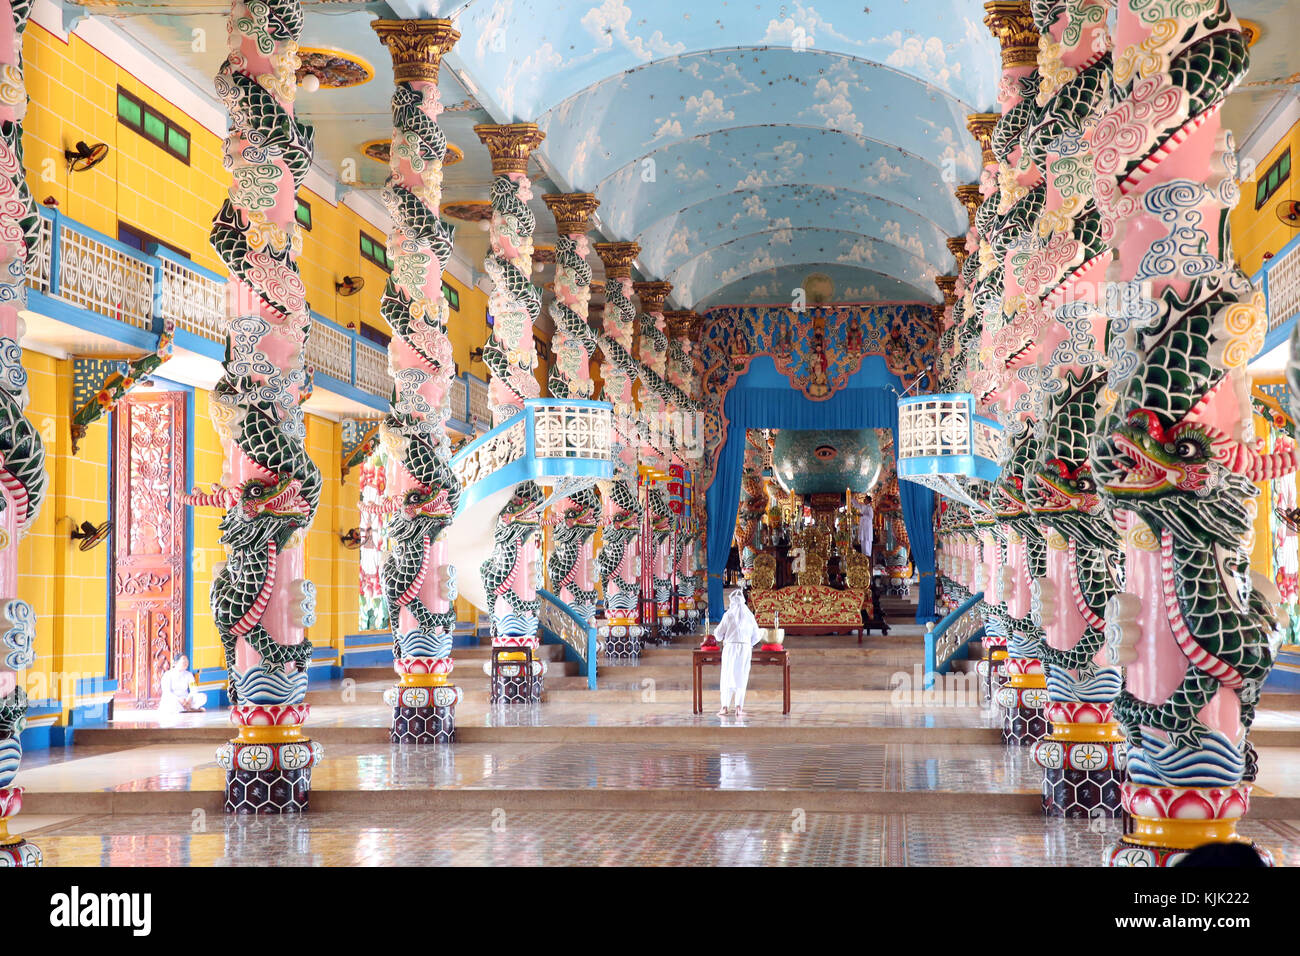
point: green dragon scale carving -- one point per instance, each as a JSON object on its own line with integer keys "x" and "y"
{"x": 256, "y": 404}
{"x": 423, "y": 366}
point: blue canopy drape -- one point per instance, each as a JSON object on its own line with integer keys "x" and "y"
{"x": 764, "y": 398}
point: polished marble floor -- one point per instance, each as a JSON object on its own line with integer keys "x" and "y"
{"x": 759, "y": 712}
{"x": 863, "y": 768}
{"x": 622, "y": 775}
{"x": 499, "y": 837}
{"x": 508, "y": 766}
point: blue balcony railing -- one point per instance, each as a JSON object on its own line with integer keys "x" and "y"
{"x": 949, "y": 640}
{"x": 1279, "y": 278}
{"x": 96, "y": 283}
{"x": 943, "y": 444}
{"x": 561, "y": 624}
{"x": 553, "y": 441}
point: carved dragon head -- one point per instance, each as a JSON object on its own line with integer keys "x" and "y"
{"x": 1158, "y": 453}
{"x": 1062, "y": 490}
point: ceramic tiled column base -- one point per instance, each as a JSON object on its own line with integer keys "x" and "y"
{"x": 268, "y": 791}
{"x": 1023, "y": 699}
{"x": 992, "y": 668}
{"x": 513, "y": 681}
{"x": 1170, "y": 822}
{"x": 424, "y": 725}
{"x": 688, "y": 614}
{"x": 1081, "y": 794}
{"x": 1083, "y": 761}
{"x": 622, "y": 638}
{"x": 14, "y": 850}
{"x": 21, "y": 853}
{"x": 268, "y": 766}
{"x": 423, "y": 702}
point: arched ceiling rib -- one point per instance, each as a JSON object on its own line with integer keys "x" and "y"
{"x": 672, "y": 240}
{"x": 528, "y": 55}
{"x": 752, "y": 157}
{"x": 724, "y": 264}
{"x": 625, "y": 117}
{"x": 777, "y": 286}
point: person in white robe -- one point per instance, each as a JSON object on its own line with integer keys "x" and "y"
{"x": 179, "y": 694}
{"x": 737, "y": 632}
{"x": 867, "y": 527}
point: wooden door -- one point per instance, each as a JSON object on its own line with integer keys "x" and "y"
{"x": 149, "y": 547}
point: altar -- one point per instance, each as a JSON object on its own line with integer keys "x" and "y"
{"x": 812, "y": 609}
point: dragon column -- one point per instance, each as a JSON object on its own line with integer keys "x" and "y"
{"x": 653, "y": 353}
{"x": 1058, "y": 272}
{"x": 574, "y": 344}
{"x": 419, "y": 580}
{"x": 22, "y": 454}
{"x": 688, "y": 447}
{"x": 260, "y": 602}
{"x": 1175, "y": 458}
{"x": 619, "y": 560}
{"x": 510, "y": 575}
{"x": 1007, "y": 221}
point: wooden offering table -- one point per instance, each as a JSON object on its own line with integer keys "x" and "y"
{"x": 713, "y": 655}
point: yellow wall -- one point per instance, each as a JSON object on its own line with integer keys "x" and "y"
{"x": 1257, "y": 232}
{"x": 66, "y": 587}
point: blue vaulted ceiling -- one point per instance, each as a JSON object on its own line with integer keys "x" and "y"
{"x": 744, "y": 148}
{"x": 743, "y": 144}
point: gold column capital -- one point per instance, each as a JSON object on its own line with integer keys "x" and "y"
{"x": 946, "y": 285}
{"x": 509, "y": 145}
{"x": 968, "y": 194}
{"x": 981, "y": 126}
{"x": 681, "y": 323}
{"x": 652, "y": 294}
{"x": 957, "y": 246}
{"x": 416, "y": 46}
{"x": 1012, "y": 23}
{"x": 572, "y": 211}
{"x": 618, "y": 257}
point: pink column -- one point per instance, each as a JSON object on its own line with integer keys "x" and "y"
{"x": 574, "y": 519}
{"x": 656, "y": 412}
{"x": 423, "y": 492}
{"x": 1177, "y": 465}
{"x": 619, "y": 551}
{"x": 510, "y": 575}
{"x": 260, "y": 601}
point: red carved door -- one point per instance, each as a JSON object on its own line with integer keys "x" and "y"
{"x": 149, "y": 552}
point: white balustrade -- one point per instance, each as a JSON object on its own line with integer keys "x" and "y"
{"x": 572, "y": 431}
{"x": 1284, "y": 287}
{"x": 38, "y": 264}
{"x": 372, "y": 371}
{"x": 194, "y": 301}
{"x": 329, "y": 350}
{"x": 936, "y": 427}
{"x": 104, "y": 279}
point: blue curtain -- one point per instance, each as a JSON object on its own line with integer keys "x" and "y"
{"x": 918, "y": 518}
{"x": 752, "y": 404}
